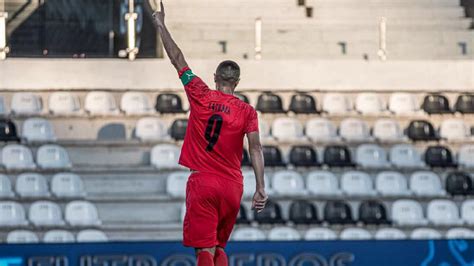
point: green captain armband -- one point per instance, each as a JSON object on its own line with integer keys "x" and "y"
{"x": 187, "y": 77}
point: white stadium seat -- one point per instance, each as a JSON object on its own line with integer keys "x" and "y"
{"x": 248, "y": 234}
{"x": 264, "y": 130}
{"x": 82, "y": 213}
{"x": 32, "y": 185}
{"x": 58, "y": 236}
{"x": 64, "y": 103}
{"x": 321, "y": 130}
{"x": 390, "y": 234}
{"x": 322, "y": 183}
{"x": 25, "y": 103}
{"x": 336, "y": 104}
{"x": 403, "y": 104}
{"x": 287, "y": 129}
{"x": 317, "y": 234}
{"x": 405, "y": 156}
{"x": 17, "y": 157}
{"x": 283, "y": 233}
{"x": 466, "y": 156}
{"x": 183, "y": 212}
{"x": 408, "y": 212}
{"x": 352, "y": 129}
{"x": 454, "y": 129}
{"x": 391, "y": 183}
{"x": 38, "y": 130}
{"x": 250, "y": 183}
{"x": 100, "y": 103}
{"x": 288, "y": 183}
{"x": 12, "y": 214}
{"x": 425, "y": 233}
{"x": 150, "y": 129}
{"x": 459, "y": 233}
{"x": 467, "y": 212}
{"x": 387, "y": 130}
{"x": 53, "y": 157}
{"x": 67, "y": 185}
{"x": 165, "y": 156}
{"x": 45, "y": 213}
{"x": 371, "y": 156}
{"x": 176, "y": 184}
{"x": 426, "y": 183}
{"x": 357, "y": 183}
{"x": 443, "y": 212}
{"x": 6, "y": 190}
{"x": 91, "y": 235}
{"x": 369, "y": 104}
{"x": 135, "y": 103}
{"x": 22, "y": 237}
{"x": 355, "y": 234}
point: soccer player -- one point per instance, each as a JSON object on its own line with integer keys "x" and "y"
{"x": 212, "y": 150}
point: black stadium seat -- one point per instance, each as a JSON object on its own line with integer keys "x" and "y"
{"x": 303, "y": 156}
{"x": 270, "y": 215}
{"x": 8, "y": 130}
{"x": 337, "y": 156}
{"x": 459, "y": 183}
{"x": 270, "y": 103}
{"x": 439, "y": 156}
{"x": 242, "y": 97}
{"x": 338, "y": 212}
{"x": 246, "y": 159}
{"x": 372, "y": 212}
{"x": 178, "y": 129}
{"x": 303, "y": 212}
{"x": 436, "y": 104}
{"x": 302, "y": 103}
{"x": 272, "y": 156}
{"x": 465, "y": 104}
{"x": 169, "y": 103}
{"x": 242, "y": 217}
{"x": 421, "y": 130}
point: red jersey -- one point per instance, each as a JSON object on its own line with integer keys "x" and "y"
{"x": 216, "y": 129}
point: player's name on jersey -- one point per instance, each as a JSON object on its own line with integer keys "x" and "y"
{"x": 217, "y": 107}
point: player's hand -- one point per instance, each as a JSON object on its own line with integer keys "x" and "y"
{"x": 259, "y": 200}
{"x": 159, "y": 16}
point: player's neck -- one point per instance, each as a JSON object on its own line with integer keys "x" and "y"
{"x": 226, "y": 90}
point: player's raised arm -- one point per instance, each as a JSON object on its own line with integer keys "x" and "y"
{"x": 172, "y": 49}
{"x": 256, "y": 156}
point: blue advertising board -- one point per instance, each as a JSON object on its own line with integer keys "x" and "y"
{"x": 324, "y": 253}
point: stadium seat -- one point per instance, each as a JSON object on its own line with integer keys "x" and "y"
{"x": 426, "y": 183}
{"x": 321, "y": 130}
{"x": 372, "y": 212}
{"x": 403, "y": 104}
{"x": 466, "y": 156}
{"x": 338, "y": 212}
{"x": 336, "y": 104}
{"x": 242, "y": 217}
{"x": 287, "y": 129}
{"x": 22, "y": 237}
{"x": 17, "y": 157}
{"x": 369, "y": 104}
{"x": 303, "y": 212}
{"x": 421, "y": 130}
{"x": 12, "y": 214}
{"x": 8, "y": 131}
{"x": 270, "y": 215}
{"x": 357, "y": 183}
{"x": 459, "y": 183}
{"x": 443, "y": 212}
{"x": 459, "y": 233}
{"x": 436, "y": 104}
{"x": 390, "y": 234}
{"x": 25, "y": 103}
{"x": 53, "y": 157}
{"x": 114, "y": 131}
{"x": 272, "y": 156}
{"x": 454, "y": 130}
{"x": 407, "y": 212}
{"x": 387, "y": 130}
{"x": 353, "y": 129}
{"x": 178, "y": 129}
{"x": 288, "y": 183}
{"x": 250, "y": 184}
{"x": 176, "y": 184}
{"x": 242, "y": 97}
{"x": 303, "y": 103}
{"x": 67, "y": 185}
{"x": 405, "y": 156}
{"x": 5, "y": 187}
{"x": 322, "y": 183}
{"x": 269, "y": 103}
{"x": 64, "y": 103}
{"x": 439, "y": 156}
{"x": 82, "y": 213}
{"x": 371, "y": 156}
{"x": 150, "y": 129}
{"x": 315, "y": 234}
{"x": 337, "y": 156}
{"x": 248, "y": 234}
{"x": 391, "y": 183}
{"x": 425, "y": 233}
{"x": 465, "y": 104}
{"x": 169, "y": 103}
{"x": 100, "y": 103}
{"x": 355, "y": 234}
{"x": 467, "y": 211}
{"x": 304, "y": 156}
{"x": 58, "y": 236}
{"x": 38, "y": 130}
{"x": 45, "y": 213}
{"x": 283, "y": 233}
{"x": 245, "y": 158}
{"x": 264, "y": 130}
{"x": 91, "y": 235}
{"x": 165, "y": 156}
{"x": 32, "y": 185}
{"x": 135, "y": 103}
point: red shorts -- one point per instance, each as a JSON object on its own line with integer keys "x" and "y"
{"x": 212, "y": 206}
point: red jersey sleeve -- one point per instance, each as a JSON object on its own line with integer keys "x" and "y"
{"x": 195, "y": 88}
{"x": 252, "y": 122}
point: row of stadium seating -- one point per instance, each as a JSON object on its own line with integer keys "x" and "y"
{"x": 137, "y": 103}
{"x": 55, "y": 236}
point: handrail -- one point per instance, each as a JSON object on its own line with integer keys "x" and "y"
{"x": 17, "y": 13}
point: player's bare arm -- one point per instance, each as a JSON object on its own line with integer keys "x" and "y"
{"x": 171, "y": 48}
{"x": 256, "y": 156}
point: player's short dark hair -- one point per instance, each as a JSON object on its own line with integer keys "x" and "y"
{"x": 228, "y": 73}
